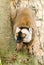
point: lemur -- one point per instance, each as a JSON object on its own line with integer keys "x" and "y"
{"x": 24, "y": 28}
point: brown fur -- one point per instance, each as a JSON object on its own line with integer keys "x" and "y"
{"x": 24, "y": 18}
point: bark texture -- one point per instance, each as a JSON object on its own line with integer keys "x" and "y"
{"x": 8, "y": 54}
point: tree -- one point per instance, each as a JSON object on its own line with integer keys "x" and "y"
{"x": 7, "y": 43}
{"x": 5, "y": 26}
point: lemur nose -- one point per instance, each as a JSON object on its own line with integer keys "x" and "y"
{"x": 19, "y": 38}
{"x": 18, "y": 41}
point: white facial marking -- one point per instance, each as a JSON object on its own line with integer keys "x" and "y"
{"x": 30, "y": 30}
{"x": 28, "y": 37}
{"x": 28, "y": 33}
{"x": 17, "y": 29}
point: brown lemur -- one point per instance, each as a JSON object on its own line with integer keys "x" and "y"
{"x": 24, "y": 28}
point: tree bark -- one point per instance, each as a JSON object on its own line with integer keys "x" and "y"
{"x": 7, "y": 43}
{"x": 5, "y": 26}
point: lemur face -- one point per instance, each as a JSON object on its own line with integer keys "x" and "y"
{"x": 23, "y": 34}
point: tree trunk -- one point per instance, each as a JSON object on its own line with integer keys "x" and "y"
{"x": 7, "y": 43}
{"x": 5, "y": 26}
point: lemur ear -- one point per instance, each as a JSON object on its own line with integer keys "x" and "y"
{"x": 30, "y": 30}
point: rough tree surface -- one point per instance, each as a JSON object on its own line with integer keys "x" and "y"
{"x": 8, "y": 54}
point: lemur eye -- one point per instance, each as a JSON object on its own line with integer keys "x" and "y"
{"x": 23, "y": 35}
{"x": 16, "y": 34}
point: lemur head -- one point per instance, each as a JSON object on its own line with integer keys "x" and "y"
{"x": 23, "y": 34}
